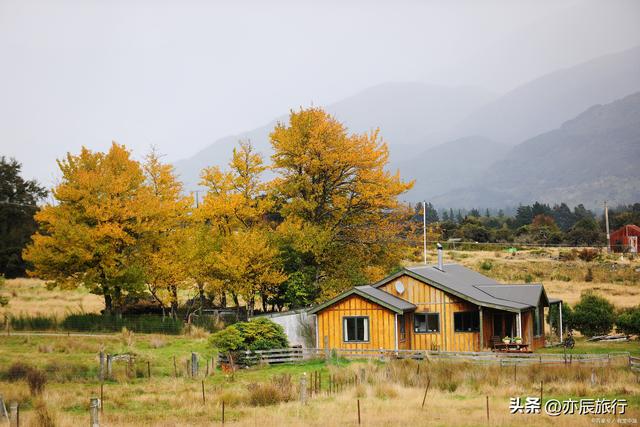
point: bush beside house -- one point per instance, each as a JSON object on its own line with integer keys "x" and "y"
{"x": 258, "y": 334}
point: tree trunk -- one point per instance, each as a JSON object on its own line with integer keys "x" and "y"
{"x": 174, "y": 301}
{"x": 223, "y": 299}
{"x": 108, "y": 302}
{"x": 202, "y": 298}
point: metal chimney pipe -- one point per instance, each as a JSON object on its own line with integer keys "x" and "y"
{"x": 440, "y": 263}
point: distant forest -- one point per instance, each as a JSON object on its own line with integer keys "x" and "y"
{"x": 538, "y": 223}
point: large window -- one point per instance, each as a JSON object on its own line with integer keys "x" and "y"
{"x": 466, "y": 321}
{"x": 426, "y": 322}
{"x": 355, "y": 328}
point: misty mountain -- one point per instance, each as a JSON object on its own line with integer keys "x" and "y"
{"x": 408, "y": 115}
{"x": 589, "y": 159}
{"x": 546, "y": 102}
{"x": 451, "y": 165}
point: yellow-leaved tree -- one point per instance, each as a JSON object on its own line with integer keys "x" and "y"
{"x": 163, "y": 233}
{"x": 247, "y": 263}
{"x": 342, "y": 221}
{"x": 90, "y": 236}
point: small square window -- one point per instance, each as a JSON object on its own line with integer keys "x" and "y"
{"x": 426, "y": 323}
{"x": 355, "y": 329}
{"x": 466, "y": 321}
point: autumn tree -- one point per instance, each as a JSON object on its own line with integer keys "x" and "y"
{"x": 342, "y": 221}
{"x": 250, "y": 267}
{"x": 236, "y": 206}
{"x": 90, "y": 236}
{"x": 162, "y": 236}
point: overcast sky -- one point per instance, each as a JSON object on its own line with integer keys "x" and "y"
{"x": 181, "y": 74}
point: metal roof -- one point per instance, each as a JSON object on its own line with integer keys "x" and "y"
{"x": 473, "y": 286}
{"x": 385, "y": 299}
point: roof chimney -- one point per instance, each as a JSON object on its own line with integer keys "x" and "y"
{"x": 440, "y": 264}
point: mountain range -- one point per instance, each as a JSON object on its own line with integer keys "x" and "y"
{"x": 466, "y": 147}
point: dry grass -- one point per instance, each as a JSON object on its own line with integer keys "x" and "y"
{"x": 31, "y": 296}
{"x": 391, "y": 393}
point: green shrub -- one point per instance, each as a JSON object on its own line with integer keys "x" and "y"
{"x": 228, "y": 340}
{"x": 486, "y": 265}
{"x": 553, "y": 320}
{"x": 593, "y": 315}
{"x": 258, "y": 334}
{"x": 262, "y": 334}
{"x": 628, "y": 321}
{"x": 38, "y": 322}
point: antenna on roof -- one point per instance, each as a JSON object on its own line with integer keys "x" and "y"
{"x": 424, "y": 229}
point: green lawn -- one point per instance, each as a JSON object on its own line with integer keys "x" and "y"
{"x": 597, "y": 347}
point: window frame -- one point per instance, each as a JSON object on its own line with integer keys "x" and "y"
{"x": 476, "y": 315}
{"x": 367, "y": 329}
{"x": 538, "y": 326}
{"x": 402, "y": 327}
{"x": 426, "y": 315}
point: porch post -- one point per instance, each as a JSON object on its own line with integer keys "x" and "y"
{"x": 520, "y": 324}
{"x": 560, "y": 316}
{"x": 395, "y": 331}
{"x": 481, "y": 331}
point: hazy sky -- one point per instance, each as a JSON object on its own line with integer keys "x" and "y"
{"x": 181, "y": 74}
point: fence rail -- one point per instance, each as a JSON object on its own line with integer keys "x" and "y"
{"x": 297, "y": 354}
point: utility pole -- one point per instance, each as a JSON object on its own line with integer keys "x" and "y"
{"x": 424, "y": 229}
{"x": 606, "y": 221}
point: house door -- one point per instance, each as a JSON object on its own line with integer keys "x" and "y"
{"x": 503, "y": 325}
{"x": 633, "y": 244}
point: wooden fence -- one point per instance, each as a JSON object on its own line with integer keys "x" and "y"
{"x": 295, "y": 354}
{"x": 634, "y": 363}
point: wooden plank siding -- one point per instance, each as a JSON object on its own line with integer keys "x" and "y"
{"x": 381, "y": 324}
{"x": 430, "y": 299}
{"x": 427, "y": 299}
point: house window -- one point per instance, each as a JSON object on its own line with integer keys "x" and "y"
{"x": 426, "y": 322}
{"x": 466, "y": 321}
{"x": 355, "y": 328}
{"x": 537, "y": 321}
{"x": 402, "y": 327}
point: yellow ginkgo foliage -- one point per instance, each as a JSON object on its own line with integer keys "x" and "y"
{"x": 340, "y": 205}
{"x": 249, "y": 266}
{"x": 89, "y": 237}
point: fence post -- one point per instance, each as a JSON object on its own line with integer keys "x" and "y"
{"x": 487, "y": 409}
{"x": 101, "y": 397}
{"x": 175, "y": 368}
{"x": 194, "y": 365}
{"x": 203, "y": 398}
{"x": 14, "y": 416}
{"x": 93, "y": 412}
{"x": 148, "y": 369}
{"x": 303, "y": 388}
{"x": 358, "y": 411}
{"x": 327, "y": 353}
{"x": 3, "y": 410}
{"x": 109, "y": 366}
{"x": 424, "y": 399}
{"x": 102, "y": 366}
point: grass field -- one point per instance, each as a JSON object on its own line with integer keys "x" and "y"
{"x": 268, "y": 396}
{"x": 391, "y": 394}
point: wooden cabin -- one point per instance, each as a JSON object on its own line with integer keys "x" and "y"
{"x": 446, "y": 307}
{"x": 625, "y": 239}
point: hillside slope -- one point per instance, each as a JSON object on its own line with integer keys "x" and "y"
{"x": 408, "y": 114}
{"x": 589, "y": 159}
{"x": 545, "y": 103}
